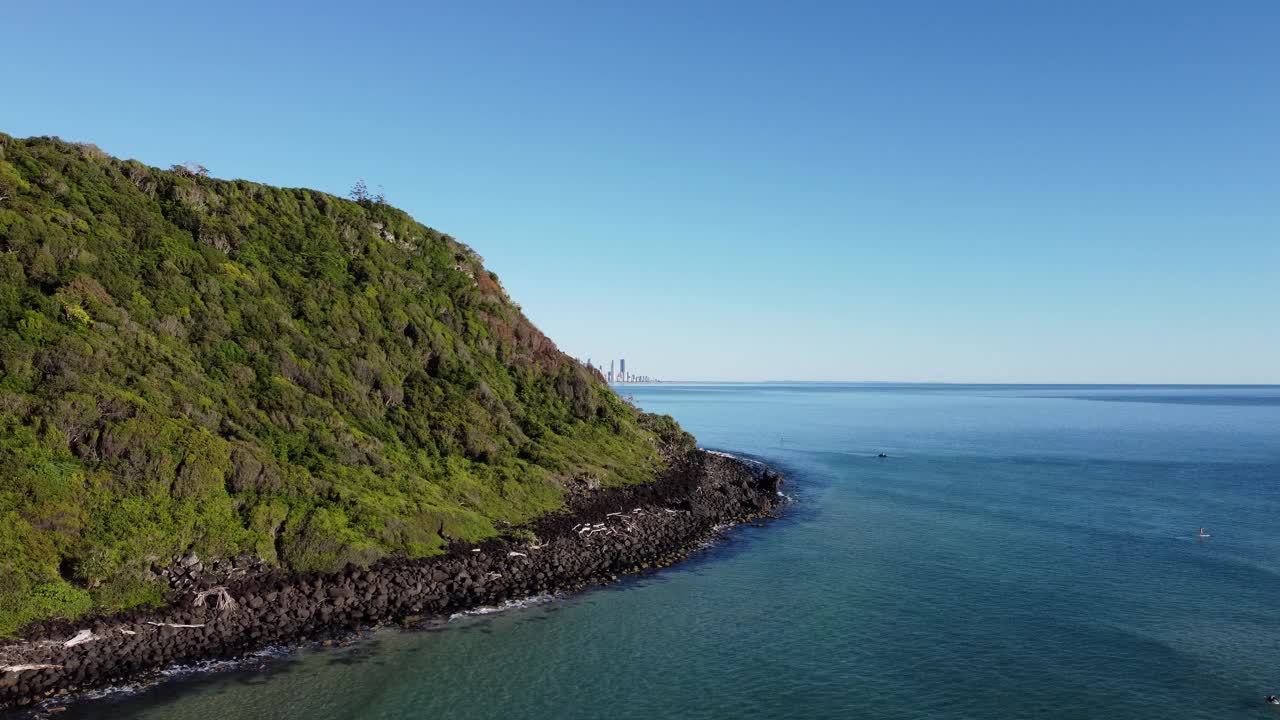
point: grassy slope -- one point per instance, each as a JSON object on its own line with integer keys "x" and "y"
{"x": 191, "y": 364}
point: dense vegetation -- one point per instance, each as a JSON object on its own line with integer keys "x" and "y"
{"x": 222, "y": 367}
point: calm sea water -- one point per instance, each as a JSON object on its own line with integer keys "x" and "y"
{"x": 1025, "y": 551}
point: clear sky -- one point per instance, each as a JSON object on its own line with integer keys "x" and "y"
{"x": 923, "y": 191}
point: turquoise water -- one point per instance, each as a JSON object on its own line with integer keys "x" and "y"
{"x": 1024, "y": 552}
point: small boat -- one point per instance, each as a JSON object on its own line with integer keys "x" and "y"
{"x": 1204, "y": 534}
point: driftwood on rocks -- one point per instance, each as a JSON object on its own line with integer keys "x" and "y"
{"x": 22, "y": 668}
{"x": 225, "y": 601}
{"x": 175, "y": 625}
{"x": 83, "y": 636}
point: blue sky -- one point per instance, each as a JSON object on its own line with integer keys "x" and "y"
{"x": 921, "y": 191}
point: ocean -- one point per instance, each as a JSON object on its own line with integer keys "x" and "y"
{"x": 1022, "y": 552}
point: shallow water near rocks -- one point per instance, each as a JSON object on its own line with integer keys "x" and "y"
{"x": 1025, "y": 551}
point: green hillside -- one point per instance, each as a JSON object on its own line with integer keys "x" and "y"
{"x": 221, "y": 367}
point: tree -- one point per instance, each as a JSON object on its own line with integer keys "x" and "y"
{"x": 191, "y": 169}
{"x": 359, "y": 191}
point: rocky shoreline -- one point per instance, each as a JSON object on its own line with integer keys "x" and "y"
{"x": 601, "y": 535}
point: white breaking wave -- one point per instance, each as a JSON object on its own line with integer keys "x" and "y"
{"x": 505, "y": 606}
{"x": 749, "y": 461}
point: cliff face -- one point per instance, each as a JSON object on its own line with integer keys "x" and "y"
{"x": 192, "y": 365}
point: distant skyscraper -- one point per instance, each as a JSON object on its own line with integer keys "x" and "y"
{"x": 622, "y": 369}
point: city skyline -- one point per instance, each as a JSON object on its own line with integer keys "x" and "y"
{"x": 618, "y": 376}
